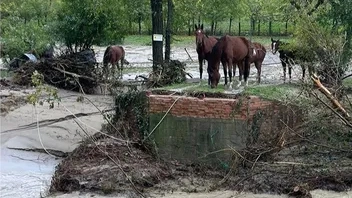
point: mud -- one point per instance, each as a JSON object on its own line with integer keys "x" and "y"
{"x": 298, "y": 163}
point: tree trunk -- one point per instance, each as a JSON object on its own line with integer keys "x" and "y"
{"x": 239, "y": 27}
{"x": 215, "y": 26}
{"x": 258, "y": 28}
{"x": 252, "y": 28}
{"x": 130, "y": 25}
{"x": 230, "y": 25}
{"x": 270, "y": 28}
{"x": 189, "y": 27}
{"x": 212, "y": 27}
{"x": 140, "y": 24}
{"x": 170, "y": 8}
{"x": 157, "y": 28}
{"x": 286, "y": 25}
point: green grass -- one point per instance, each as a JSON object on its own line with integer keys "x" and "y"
{"x": 273, "y": 92}
{"x": 175, "y": 86}
{"x": 194, "y": 87}
{"x": 204, "y": 87}
{"x": 181, "y": 40}
{"x": 5, "y": 73}
{"x": 138, "y": 40}
{"x": 177, "y": 40}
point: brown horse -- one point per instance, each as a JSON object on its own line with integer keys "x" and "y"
{"x": 230, "y": 50}
{"x": 257, "y": 58}
{"x": 113, "y": 54}
{"x": 204, "y": 45}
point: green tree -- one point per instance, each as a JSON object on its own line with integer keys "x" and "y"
{"x": 24, "y": 26}
{"x": 81, "y": 24}
{"x": 137, "y": 12}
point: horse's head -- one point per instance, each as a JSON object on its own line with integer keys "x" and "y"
{"x": 213, "y": 74}
{"x": 275, "y": 45}
{"x": 199, "y": 32}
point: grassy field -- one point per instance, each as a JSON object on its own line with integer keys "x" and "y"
{"x": 179, "y": 40}
{"x": 272, "y": 92}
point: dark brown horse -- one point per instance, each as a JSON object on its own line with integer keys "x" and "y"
{"x": 230, "y": 50}
{"x": 257, "y": 58}
{"x": 204, "y": 45}
{"x": 284, "y": 55}
{"x": 113, "y": 54}
{"x": 289, "y": 56}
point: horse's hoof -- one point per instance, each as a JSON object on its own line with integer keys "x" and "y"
{"x": 230, "y": 87}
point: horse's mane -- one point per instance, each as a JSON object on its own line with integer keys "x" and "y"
{"x": 217, "y": 50}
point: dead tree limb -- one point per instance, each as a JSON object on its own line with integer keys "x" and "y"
{"x": 328, "y": 94}
{"x": 188, "y": 55}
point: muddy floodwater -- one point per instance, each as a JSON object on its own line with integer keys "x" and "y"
{"x": 140, "y": 57}
{"x": 28, "y": 174}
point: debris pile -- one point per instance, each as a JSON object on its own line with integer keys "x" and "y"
{"x": 76, "y": 71}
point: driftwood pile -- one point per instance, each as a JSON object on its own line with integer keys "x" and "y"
{"x": 76, "y": 71}
{"x": 167, "y": 74}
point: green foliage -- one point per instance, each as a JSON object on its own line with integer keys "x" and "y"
{"x": 132, "y": 112}
{"x": 81, "y": 24}
{"x": 315, "y": 43}
{"x": 43, "y": 93}
{"x": 24, "y": 27}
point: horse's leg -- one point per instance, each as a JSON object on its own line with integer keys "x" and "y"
{"x": 230, "y": 65}
{"x": 118, "y": 70}
{"x": 234, "y": 69}
{"x": 303, "y": 71}
{"x": 121, "y": 68}
{"x": 258, "y": 65}
{"x": 200, "y": 59}
{"x": 113, "y": 67}
{"x": 284, "y": 69}
{"x": 246, "y": 70}
{"x": 289, "y": 71}
{"x": 240, "y": 71}
{"x": 224, "y": 64}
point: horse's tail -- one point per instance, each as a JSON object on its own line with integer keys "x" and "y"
{"x": 106, "y": 57}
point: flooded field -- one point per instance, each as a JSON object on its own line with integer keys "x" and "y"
{"x": 140, "y": 63}
{"x": 27, "y": 174}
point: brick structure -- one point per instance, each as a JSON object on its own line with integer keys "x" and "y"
{"x": 194, "y": 127}
{"x": 242, "y": 108}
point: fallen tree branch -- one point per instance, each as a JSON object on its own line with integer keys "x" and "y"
{"x": 74, "y": 74}
{"x": 188, "y": 55}
{"x": 328, "y": 94}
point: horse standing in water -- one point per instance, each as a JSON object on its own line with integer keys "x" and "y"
{"x": 286, "y": 56}
{"x": 113, "y": 54}
{"x": 230, "y": 50}
{"x": 204, "y": 45}
{"x": 257, "y": 58}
